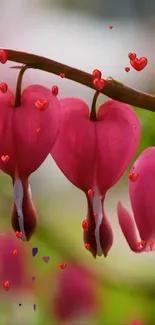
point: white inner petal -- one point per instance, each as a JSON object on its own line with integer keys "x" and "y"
{"x": 29, "y": 189}
{"x": 97, "y": 208}
{"x": 18, "y": 199}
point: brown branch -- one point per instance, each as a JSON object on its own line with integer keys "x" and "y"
{"x": 112, "y": 89}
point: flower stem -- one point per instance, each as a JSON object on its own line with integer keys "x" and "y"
{"x": 93, "y": 107}
{"x": 112, "y": 89}
{"x": 17, "y": 102}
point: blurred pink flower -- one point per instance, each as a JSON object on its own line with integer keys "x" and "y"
{"x": 76, "y": 295}
{"x": 142, "y": 202}
{"x": 13, "y": 268}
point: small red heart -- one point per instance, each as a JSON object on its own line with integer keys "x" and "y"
{"x": 3, "y": 56}
{"x": 3, "y": 87}
{"x": 41, "y": 104}
{"x": 62, "y": 75}
{"x": 97, "y": 73}
{"x": 99, "y": 84}
{"x": 85, "y": 224}
{"x": 15, "y": 252}
{"x": 19, "y": 234}
{"x": 55, "y": 90}
{"x": 132, "y": 56}
{"x": 110, "y": 27}
{"x": 133, "y": 177}
{"x": 87, "y": 246}
{"x": 139, "y": 64}
{"x": 5, "y": 158}
{"x": 63, "y": 266}
{"x": 127, "y": 69}
{"x": 6, "y": 285}
{"x": 38, "y": 130}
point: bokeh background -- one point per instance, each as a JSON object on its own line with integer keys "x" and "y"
{"x": 120, "y": 288}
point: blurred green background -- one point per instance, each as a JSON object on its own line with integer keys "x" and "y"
{"x": 76, "y": 33}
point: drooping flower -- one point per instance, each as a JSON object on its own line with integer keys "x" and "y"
{"x": 93, "y": 155}
{"x": 75, "y": 295}
{"x": 23, "y": 148}
{"x": 142, "y": 202}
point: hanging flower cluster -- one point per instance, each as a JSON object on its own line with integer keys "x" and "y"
{"x": 92, "y": 148}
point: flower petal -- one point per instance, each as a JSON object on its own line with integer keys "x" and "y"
{"x": 118, "y": 135}
{"x": 127, "y": 225}
{"x": 142, "y": 193}
{"x": 31, "y": 147}
{"x": 6, "y": 132}
{"x": 74, "y": 150}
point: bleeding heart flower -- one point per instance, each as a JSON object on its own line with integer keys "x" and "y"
{"x": 76, "y": 295}
{"x": 24, "y": 149}
{"x": 91, "y": 156}
{"x": 142, "y": 202}
{"x": 14, "y": 266}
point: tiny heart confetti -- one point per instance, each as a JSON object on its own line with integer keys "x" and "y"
{"x": 127, "y": 69}
{"x": 42, "y": 105}
{"x": 34, "y": 251}
{"x": 99, "y": 84}
{"x": 87, "y": 246}
{"x": 97, "y": 73}
{"x": 62, "y": 75}
{"x": 3, "y": 87}
{"x": 111, "y": 27}
{"x": 132, "y": 56}
{"x": 19, "y": 234}
{"x": 5, "y": 158}
{"x": 6, "y": 285}
{"x": 15, "y": 252}
{"x": 133, "y": 177}
{"x": 55, "y": 90}
{"x": 63, "y": 266}
{"x": 3, "y": 56}
{"x": 33, "y": 278}
{"x": 34, "y": 306}
{"x": 46, "y": 259}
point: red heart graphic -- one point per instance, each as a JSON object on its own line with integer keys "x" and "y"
{"x": 62, "y": 75}
{"x": 3, "y": 87}
{"x": 6, "y": 285}
{"x": 133, "y": 177}
{"x": 15, "y": 252}
{"x": 41, "y": 104}
{"x": 132, "y": 56}
{"x": 97, "y": 74}
{"x": 63, "y": 266}
{"x": 19, "y": 234}
{"x": 127, "y": 69}
{"x": 139, "y": 64}
{"x": 3, "y": 56}
{"x": 5, "y": 158}
{"x": 110, "y": 27}
{"x": 99, "y": 84}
